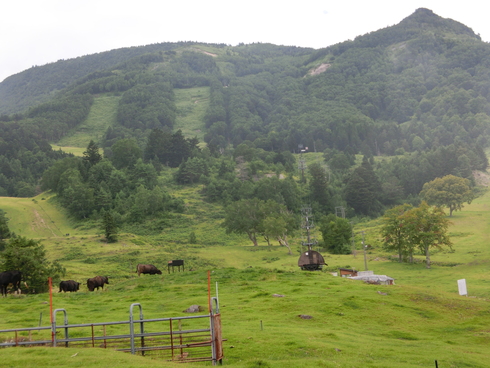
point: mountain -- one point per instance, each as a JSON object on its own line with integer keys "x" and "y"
{"x": 420, "y": 87}
{"x": 40, "y": 83}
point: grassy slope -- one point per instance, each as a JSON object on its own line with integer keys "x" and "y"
{"x": 191, "y": 105}
{"x": 37, "y": 218}
{"x": 420, "y": 319}
{"x": 101, "y": 116}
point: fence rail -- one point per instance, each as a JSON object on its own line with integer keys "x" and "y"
{"x": 202, "y": 342}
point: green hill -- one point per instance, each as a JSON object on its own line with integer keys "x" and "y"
{"x": 414, "y": 87}
{"x": 412, "y": 323}
{"x": 405, "y": 104}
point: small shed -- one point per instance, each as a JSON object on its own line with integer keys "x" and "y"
{"x": 311, "y": 261}
{"x": 347, "y": 272}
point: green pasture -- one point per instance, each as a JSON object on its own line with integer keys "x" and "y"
{"x": 420, "y": 319}
{"x": 352, "y": 324}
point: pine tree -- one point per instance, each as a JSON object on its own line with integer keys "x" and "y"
{"x": 110, "y": 228}
{"x": 363, "y": 190}
{"x": 92, "y": 155}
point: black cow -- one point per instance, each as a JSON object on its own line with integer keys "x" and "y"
{"x": 69, "y": 285}
{"x": 96, "y": 282}
{"x": 10, "y": 277}
{"x": 147, "y": 268}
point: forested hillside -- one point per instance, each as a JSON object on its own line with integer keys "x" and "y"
{"x": 415, "y": 94}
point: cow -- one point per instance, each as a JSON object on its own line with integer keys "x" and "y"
{"x": 10, "y": 277}
{"x": 147, "y": 268}
{"x": 69, "y": 285}
{"x": 96, "y": 282}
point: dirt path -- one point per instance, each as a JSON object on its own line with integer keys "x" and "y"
{"x": 39, "y": 224}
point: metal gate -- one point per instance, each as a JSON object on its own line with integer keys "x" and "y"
{"x": 185, "y": 339}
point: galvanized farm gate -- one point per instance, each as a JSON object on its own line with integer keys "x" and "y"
{"x": 185, "y": 339}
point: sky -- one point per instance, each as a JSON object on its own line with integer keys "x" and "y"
{"x": 35, "y": 33}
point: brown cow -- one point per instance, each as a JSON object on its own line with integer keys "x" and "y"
{"x": 147, "y": 268}
{"x": 96, "y": 282}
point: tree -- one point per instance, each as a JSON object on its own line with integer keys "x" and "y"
{"x": 426, "y": 227}
{"x": 51, "y": 176}
{"x": 363, "y": 190}
{"x": 29, "y": 257}
{"x": 143, "y": 174}
{"x": 245, "y": 217}
{"x": 4, "y": 229}
{"x": 339, "y": 161}
{"x": 191, "y": 170}
{"x": 92, "y": 155}
{"x": 406, "y": 229}
{"x": 110, "y": 228}
{"x": 393, "y": 231}
{"x": 319, "y": 187}
{"x": 157, "y": 145}
{"x": 336, "y": 234}
{"x": 125, "y": 153}
{"x": 449, "y": 191}
{"x": 76, "y": 195}
{"x": 279, "y": 223}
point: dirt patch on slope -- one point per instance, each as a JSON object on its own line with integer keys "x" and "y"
{"x": 481, "y": 178}
{"x": 319, "y": 69}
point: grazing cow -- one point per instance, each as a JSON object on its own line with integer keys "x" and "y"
{"x": 69, "y": 285}
{"x": 147, "y": 268}
{"x": 10, "y": 277}
{"x": 96, "y": 282}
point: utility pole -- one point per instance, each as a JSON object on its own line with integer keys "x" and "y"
{"x": 340, "y": 211}
{"x": 364, "y": 248}
{"x": 354, "y": 252}
{"x": 301, "y": 163}
{"x": 308, "y": 225}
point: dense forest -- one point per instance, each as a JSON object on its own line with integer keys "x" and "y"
{"x": 415, "y": 94}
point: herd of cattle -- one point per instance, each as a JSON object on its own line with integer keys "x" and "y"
{"x": 14, "y": 278}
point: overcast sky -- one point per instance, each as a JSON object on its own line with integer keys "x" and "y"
{"x": 37, "y": 32}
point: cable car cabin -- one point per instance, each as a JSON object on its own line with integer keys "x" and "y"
{"x": 311, "y": 261}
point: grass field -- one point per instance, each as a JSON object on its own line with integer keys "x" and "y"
{"x": 191, "y": 105}
{"x": 101, "y": 116}
{"x": 420, "y": 319}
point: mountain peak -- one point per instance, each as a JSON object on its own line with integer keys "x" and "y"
{"x": 425, "y": 18}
